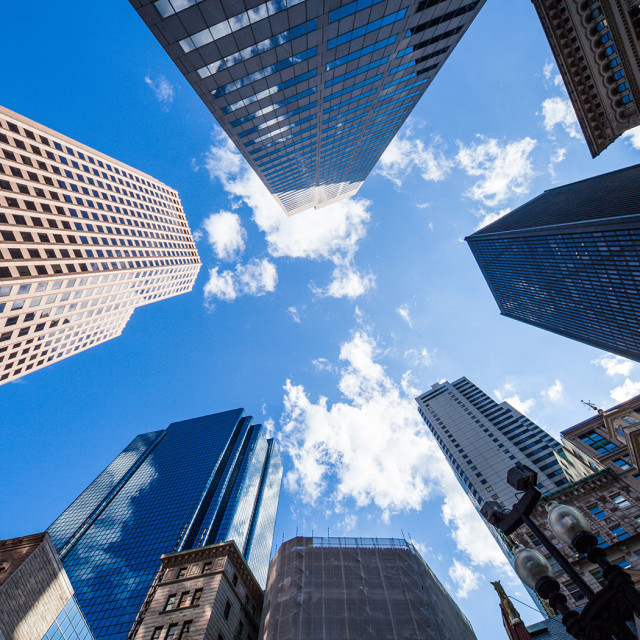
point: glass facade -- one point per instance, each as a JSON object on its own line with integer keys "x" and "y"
{"x": 199, "y": 482}
{"x": 257, "y": 66}
{"x": 69, "y": 625}
{"x": 567, "y": 261}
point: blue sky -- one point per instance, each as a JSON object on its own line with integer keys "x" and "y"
{"x": 324, "y": 324}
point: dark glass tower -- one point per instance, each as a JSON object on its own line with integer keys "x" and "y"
{"x": 568, "y": 261}
{"x": 311, "y": 92}
{"x": 198, "y": 482}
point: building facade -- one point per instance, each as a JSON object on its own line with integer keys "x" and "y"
{"x": 357, "y": 589}
{"x": 207, "y": 592}
{"x": 310, "y": 92}
{"x": 567, "y": 261}
{"x": 199, "y": 482}
{"x": 84, "y": 240}
{"x": 597, "y": 49}
{"x": 36, "y": 597}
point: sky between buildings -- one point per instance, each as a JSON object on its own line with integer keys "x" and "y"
{"x": 324, "y": 325}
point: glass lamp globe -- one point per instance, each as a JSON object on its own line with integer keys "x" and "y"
{"x": 530, "y": 565}
{"x": 565, "y": 521}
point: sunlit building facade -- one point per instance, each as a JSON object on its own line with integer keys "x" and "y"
{"x": 567, "y": 261}
{"x": 311, "y": 92}
{"x": 198, "y": 482}
{"x": 84, "y": 240}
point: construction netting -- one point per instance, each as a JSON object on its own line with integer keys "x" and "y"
{"x": 357, "y": 589}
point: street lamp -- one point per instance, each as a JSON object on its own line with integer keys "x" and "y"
{"x": 606, "y": 613}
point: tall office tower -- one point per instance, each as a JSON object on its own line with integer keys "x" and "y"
{"x": 84, "y": 240}
{"x": 596, "y": 45}
{"x": 198, "y": 482}
{"x": 567, "y": 261}
{"x": 36, "y": 598}
{"x": 311, "y": 92}
{"x": 360, "y": 588}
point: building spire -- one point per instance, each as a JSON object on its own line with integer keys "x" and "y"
{"x": 588, "y": 403}
{"x": 509, "y": 611}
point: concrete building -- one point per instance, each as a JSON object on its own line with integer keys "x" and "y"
{"x": 597, "y": 49}
{"x": 357, "y": 589}
{"x": 199, "y": 482}
{"x": 36, "y": 597}
{"x": 208, "y": 592}
{"x": 84, "y": 240}
{"x": 567, "y": 261}
{"x": 310, "y": 92}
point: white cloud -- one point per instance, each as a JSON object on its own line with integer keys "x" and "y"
{"x": 487, "y": 217}
{"x": 464, "y": 577}
{"x": 559, "y": 111}
{"x": 523, "y": 406}
{"x": 405, "y": 152}
{"x": 295, "y": 315}
{"x": 255, "y": 278}
{"x": 322, "y": 364}
{"x": 403, "y": 312}
{"x": 419, "y": 357}
{"x": 504, "y": 169}
{"x": 633, "y": 137}
{"x": 625, "y": 391}
{"x": 550, "y": 72}
{"x": 554, "y": 393}
{"x": 331, "y": 233}
{"x": 614, "y": 365}
{"x": 161, "y": 87}
{"x": 226, "y": 234}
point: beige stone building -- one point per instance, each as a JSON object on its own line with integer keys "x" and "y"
{"x": 36, "y": 597}
{"x": 84, "y": 240}
{"x": 208, "y": 592}
{"x": 596, "y": 46}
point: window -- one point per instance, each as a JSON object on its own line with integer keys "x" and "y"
{"x": 171, "y": 632}
{"x": 227, "y": 610}
{"x": 156, "y": 633}
{"x": 182, "y": 572}
{"x": 597, "y": 512}
{"x": 234, "y": 580}
{"x": 184, "y": 596}
{"x": 619, "y": 533}
{"x": 186, "y": 628}
{"x": 171, "y": 602}
{"x": 197, "y": 594}
{"x": 623, "y": 464}
{"x": 206, "y": 567}
{"x": 598, "y": 442}
{"x": 621, "y": 501}
{"x": 575, "y": 593}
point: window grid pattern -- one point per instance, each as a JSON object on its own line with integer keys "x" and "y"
{"x": 69, "y": 625}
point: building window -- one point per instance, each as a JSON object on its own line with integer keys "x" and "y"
{"x": 602, "y": 543}
{"x": 575, "y": 593}
{"x": 197, "y": 594}
{"x": 234, "y": 580}
{"x": 623, "y": 464}
{"x": 186, "y": 628}
{"x": 597, "y": 512}
{"x": 206, "y": 567}
{"x": 184, "y": 596}
{"x": 598, "y": 443}
{"x": 182, "y": 572}
{"x": 171, "y": 602}
{"x": 156, "y": 633}
{"x": 227, "y": 609}
{"x": 621, "y": 501}
{"x": 171, "y": 632}
{"x": 619, "y": 533}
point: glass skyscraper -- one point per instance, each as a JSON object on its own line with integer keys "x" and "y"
{"x": 310, "y": 91}
{"x": 198, "y": 482}
{"x": 568, "y": 261}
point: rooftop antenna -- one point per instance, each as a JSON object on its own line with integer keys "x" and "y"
{"x": 590, "y": 404}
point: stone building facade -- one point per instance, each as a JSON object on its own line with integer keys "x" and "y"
{"x": 207, "y": 592}
{"x": 596, "y": 47}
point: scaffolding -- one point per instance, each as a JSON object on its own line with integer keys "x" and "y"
{"x": 357, "y": 589}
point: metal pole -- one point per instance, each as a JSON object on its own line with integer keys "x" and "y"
{"x": 586, "y": 590}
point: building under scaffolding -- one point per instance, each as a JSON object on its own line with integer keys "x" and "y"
{"x": 357, "y": 589}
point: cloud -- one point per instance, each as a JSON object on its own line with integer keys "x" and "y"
{"x": 322, "y": 364}
{"x": 559, "y": 111}
{"x": 625, "y": 391}
{"x": 332, "y": 233}
{"x": 523, "y": 406}
{"x": 226, "y": 234}
{"x": 464, "y": 577}
{"x": 403, "y": 312}
{"x": 554, "y": 393}
{"x": 504, "y": 169}
{"x": 551, "y": 75}
{"x": 487, "y": 217}
{"x": 161, "y": 87}
{"x": 295, "y": 316}
{"x": 255, "y": 278}
{"x": 633, "y": 137}
{"x": 372, "y": 449}
{"x": 406, "y": 152}
{"x": 614, "y": 365}
{"x": 419, "y": 357}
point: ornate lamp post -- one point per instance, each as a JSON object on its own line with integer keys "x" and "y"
{"x": 606, "y": 613}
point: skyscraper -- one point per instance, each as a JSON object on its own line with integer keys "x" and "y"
{"x": 567, "y": 261}
{"x": 357, "y": 588}
{"x": 84, "y": 240}
{"x": 311, "y": 92}
{"x": 196, "y": 483}
{"x": 597, "y": 47}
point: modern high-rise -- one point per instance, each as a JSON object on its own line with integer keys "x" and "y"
{"x": 596, "y": 45}
{"x": 357, "y": 589}
{"x": 310, "y": 91}
{"x": 84, "y": 240}
{"x": 568, "y": 261}
{"x": 199, "y": 482}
